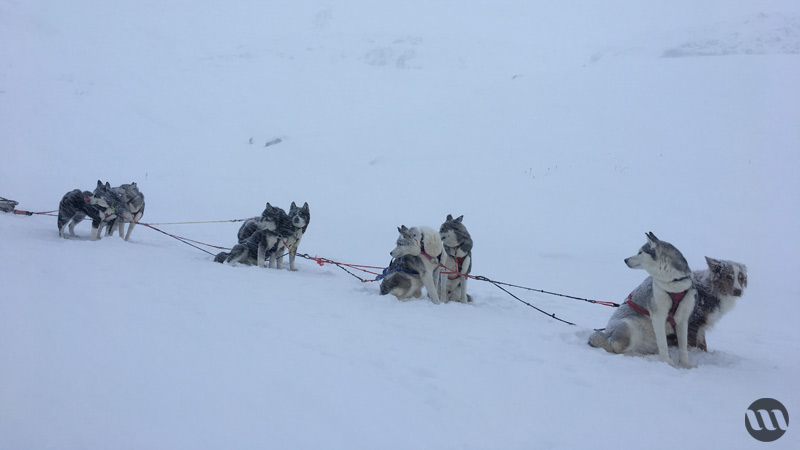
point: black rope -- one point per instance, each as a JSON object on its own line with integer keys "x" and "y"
{"x": 179, "y": 239}
{"x": 497, "y": 283}
{"x": 541, "y": 291}
{"x": 328, "y": 261}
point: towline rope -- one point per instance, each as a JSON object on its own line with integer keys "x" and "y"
{"x": 363, "y": 268}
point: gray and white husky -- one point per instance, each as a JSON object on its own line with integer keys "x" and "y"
{"x": 458, "y": 245}
{"x": 133, "y": 202}
{"x": 264, "y": 238}
{"x": 425, "y": 243}
{"x": 718, "y": 287}
{"x": 402, "y": 278}
{"x": 101, "y": 206}
{"x": 299, "y": 217}
{"x": 666, "y": 295}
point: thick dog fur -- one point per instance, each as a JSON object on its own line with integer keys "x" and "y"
{"x": 101, "y": 206}
{"x": 299, "y": 217}
{"x": 630, "y": 331}
{"x": 458, "y": 246}
{"x": 425, "y": 243}
{"x": 718, "y": 288}
{"x": 402, "y": 278}
{"x": 132, "y": 201}
{"x": 264, "y": 238}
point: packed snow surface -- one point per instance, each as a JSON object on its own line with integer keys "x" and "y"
{"x": 562, "y": 131}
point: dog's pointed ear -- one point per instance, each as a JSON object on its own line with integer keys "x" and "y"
{"x": 652, "y": 237}
{"x": 99, "y": 183}
{"x": 449, "y": 217}
{"x": 294, "y": 205}
{"x": 305, "y": 206}
{"x": 269, "y": 206}
{"x": 713, "y": 264}
{"x": 460, "y": 218}
{"x": 108, "y": 185}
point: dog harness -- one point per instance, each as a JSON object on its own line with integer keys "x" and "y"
{"x": 459, "y": 264}
{"x": 676, "y": 300}
{"x": 398, "y": 268}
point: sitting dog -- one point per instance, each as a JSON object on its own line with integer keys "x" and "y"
{"x": 299, "y": 217}
{"x": 402, "y": 278}
{"x": 458, "y": 245}
{"x": 667, "y": 294}
{"x": 133, "y": 203}
{"x": 259, "y": 239}
{"x": 102, "y": 205}
{"x": 718, "y": 287}
{"x": 425, "y": 243}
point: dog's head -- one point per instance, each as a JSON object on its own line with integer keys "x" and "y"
{"x": 108, "y": 202}
{"x": 453, "y": 232}
{"x": 408, "y": 243}
{"x": 660, "y": 259}
{"x": 300, "y": 216}
{"x": 727, "y": 277}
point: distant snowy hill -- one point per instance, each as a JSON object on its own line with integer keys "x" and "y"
{"x": 561, "y": 131}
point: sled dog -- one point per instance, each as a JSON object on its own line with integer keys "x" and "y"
{"x": 101, "y": 206}
{"x": 265, "y": 237}
{"x": 458, "y": 246}
{"x": 667, "y": 295}
{"x": 133, "y": 202}
{"x": 718, "y": 287}
{"x": 425, "y": 243}
{"x": 402, "y": 278}
{"x": 299, "y": 217}
{"x": 259, "y": 238}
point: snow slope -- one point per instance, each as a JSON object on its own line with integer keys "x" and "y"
{"x": 562, "y": 131}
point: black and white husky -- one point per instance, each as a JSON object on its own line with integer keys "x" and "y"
{"x": 264, "y": 238}
{"x": 402, "y": 278}
{"x": 133, "y": 202}
{"x": 458, "y": 245}
{"x": 299, "y": 217}
{"x": 426, "y": 244}
{"x": 718, "y": 287}
{"x": 667, "y": 295}
{"x": 101, "y": 206}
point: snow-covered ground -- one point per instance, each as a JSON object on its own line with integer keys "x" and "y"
{"x": 562, "y": 131}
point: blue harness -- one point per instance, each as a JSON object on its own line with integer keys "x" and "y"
{"x": 398, "y": 268}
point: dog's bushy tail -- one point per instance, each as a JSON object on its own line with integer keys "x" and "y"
{"x": 598, "y": 339}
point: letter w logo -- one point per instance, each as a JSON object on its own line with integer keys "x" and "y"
{"x": 766, "y": 421}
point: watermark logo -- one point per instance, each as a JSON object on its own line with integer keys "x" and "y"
{"x": 766, "y": 419}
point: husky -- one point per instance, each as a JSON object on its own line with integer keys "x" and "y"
{"x": 668, "y": 294}
{"x": 102, "y": 205}
{"x": 425, "y": 243}
{"x": 458, "y": 246}
{"x": 259, "y": 238}
{"x": 718, "y": 287}
{"x": 133, "y": 202}
{"x": 402, "y": 278}
{"x": 299, "y": 217}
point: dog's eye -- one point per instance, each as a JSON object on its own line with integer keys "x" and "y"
{"x": 742, "y": 278}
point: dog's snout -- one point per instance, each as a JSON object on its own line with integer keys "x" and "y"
{"x": 737, "y": 292}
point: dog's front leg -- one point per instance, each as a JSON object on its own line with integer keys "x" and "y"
{"x": 292, "y": 255}
{"x": 463, "y": 289}
{"x": 660, "y": 329}
{"x": 262, "y": 254}
{"x": 682, "y": 330}
{"x": 682, "y": 326}
{"x": 430, "y": 286}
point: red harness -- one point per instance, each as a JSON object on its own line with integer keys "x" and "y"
{"x": 676, "y": 300}
{"x": 459, "y": 263}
